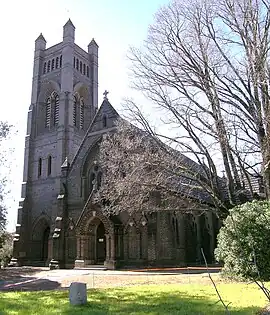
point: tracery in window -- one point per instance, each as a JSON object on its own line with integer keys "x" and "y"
{"x": 44, "y": 67}
{"x": 53, "y": 64}
{"x": 56, "y": 62}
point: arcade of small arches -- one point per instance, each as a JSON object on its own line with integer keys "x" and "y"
{"x": 52, "y": 64}
{"x": 80, "y": 66}
{"x": 97, "y": 239}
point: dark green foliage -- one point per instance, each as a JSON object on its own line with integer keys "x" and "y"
{"x": 5, "y": 132}
{"x": 6, "y": 247}
{"x": 244, "y": 242}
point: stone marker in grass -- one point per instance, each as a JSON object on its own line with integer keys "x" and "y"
{"x": 77, "y": 293}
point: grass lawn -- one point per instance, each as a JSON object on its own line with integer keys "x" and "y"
{"x": 147, "y": 299}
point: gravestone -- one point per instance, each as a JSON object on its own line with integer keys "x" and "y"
{"x": 77, "y": 293}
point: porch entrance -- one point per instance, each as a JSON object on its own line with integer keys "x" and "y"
{"x": 100, "y": 244}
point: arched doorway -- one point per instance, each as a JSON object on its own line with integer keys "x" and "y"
{"x": 100, "y": 244}
{"x": 45, "y": 243}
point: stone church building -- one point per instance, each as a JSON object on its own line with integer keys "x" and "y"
{"x": 58, "y": 224}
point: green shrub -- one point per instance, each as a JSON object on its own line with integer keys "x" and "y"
{"x": 244, "y": 242}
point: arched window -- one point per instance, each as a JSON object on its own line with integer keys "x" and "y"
{"x": 61, "y": 61}
{"x": 48, "y": 113}
{"x": 44, "y": 67}
{"x": 74, "y": 62}
{"x": 56, "y": 108}
{"x": 80, "y": 67}
{"x": 53, "y": 64}
{"x": 87, "y": 72}
{"x": 39, "y": 167}
{"x": 77, "y": 64}
{"x": 56, "y": 62}
{"x": 49, "y": 66}
{"x": 104, "y": 121}
{"x": 84, "y": 69}
{"x": 81, "y": 113}
{"x": 49, "y": 170}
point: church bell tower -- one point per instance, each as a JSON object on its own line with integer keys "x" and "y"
{"x": 63, "y": 103}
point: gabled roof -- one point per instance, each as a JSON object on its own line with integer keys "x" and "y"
{"x": 105, "y": 109}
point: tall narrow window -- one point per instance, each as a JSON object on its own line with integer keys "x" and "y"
{"x": 56, "y": 109}
{"x": 49, "y": 66}
{"x": 81, "y": 114}
{"x": 44, "y": 67}
{"x": 87, "y": 71}
{"x": 61, "y": 61}
{"x": 77, "y": 64}
{"x": 84, "y": 69}
{"x": 48, "y": 113}
{"x": 53, "y": 64}
{"x": 80, "y": 67}
{"x": 104, "y": 121}
{"x": 39, "y": 167}
{"x": 75, "y": 111}
{"x": 74, "y": 62}
{"x": 57, "y": 62}
{"x": 49, "y": 171}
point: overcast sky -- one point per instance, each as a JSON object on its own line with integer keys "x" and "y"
{"x": 115, "y": 24}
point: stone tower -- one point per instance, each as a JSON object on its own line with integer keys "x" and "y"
{"x": 63, "y": 103}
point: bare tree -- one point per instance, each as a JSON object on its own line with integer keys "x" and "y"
{"x": 141, "y": 173}
{"x": 204, "y": 67}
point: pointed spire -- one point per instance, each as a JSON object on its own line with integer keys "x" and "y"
{"x": 41, "y": 37}
{"x": 69, "y": 23}
{"x": 93, "y": 43}
{"x": 40, "y": 43}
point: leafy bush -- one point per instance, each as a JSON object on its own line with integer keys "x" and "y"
{"x": 244, "y": 241}
{"x": 6, "y": 247}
